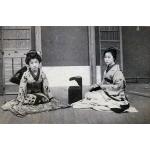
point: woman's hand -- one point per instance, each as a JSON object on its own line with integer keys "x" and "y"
{"x": 94, "y": 86}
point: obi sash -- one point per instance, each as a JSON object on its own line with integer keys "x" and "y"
{"x": 35, "y": 87}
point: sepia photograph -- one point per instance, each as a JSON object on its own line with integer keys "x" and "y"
{"x": 74, "y": 75}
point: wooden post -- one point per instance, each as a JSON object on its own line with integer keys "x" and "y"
{"x": 33, "y": 38}
{"x": 92, "y": 54}
{"x": 38, "y": 45}
{"x": 121, "y": 48}
{"x": 2, "y": 73}
{"x": 101, "y": 57}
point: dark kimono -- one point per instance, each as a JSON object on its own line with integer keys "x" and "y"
{"x": 110, "y": 96}
{"x": 34, "y": 95}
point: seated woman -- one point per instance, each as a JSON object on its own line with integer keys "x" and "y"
{"x": 34, "y": 92}
{"x": 110, "y": 93}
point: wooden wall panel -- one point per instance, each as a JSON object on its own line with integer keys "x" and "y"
{"x": 15, "y": 53}
{"x": 19, "y": 34}
{"x": 16, "y": 27}
{"x": 16, "y": 43}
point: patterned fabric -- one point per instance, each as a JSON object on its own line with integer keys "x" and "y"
{"x": 112, "y": 93}
{"x": 34, "y": 96}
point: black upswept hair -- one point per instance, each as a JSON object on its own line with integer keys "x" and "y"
{"x": 111, "y": 50}
{"x": 32, "y": 54}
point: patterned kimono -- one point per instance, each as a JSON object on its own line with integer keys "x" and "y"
{"x": 110, "y": 96}
{"x": 34, "y": 95}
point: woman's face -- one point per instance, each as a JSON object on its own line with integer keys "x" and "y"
{"x": 34, "y": 64}
{"x": 108, "y": 58}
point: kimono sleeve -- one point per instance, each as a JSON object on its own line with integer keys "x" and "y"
{"x": 22, "y": 88}
{"x": 118, "y": 82}
{"x": 46, "y": 88}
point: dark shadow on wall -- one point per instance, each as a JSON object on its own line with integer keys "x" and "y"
{"x": 65, "y": 46}
{"x": 136, "y": 52}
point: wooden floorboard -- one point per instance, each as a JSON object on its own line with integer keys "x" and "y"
{"x": 81, "y": 116}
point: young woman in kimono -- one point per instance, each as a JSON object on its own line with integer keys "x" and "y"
{"x": 34, "y": 93}
{"x": 110, "y": 93}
